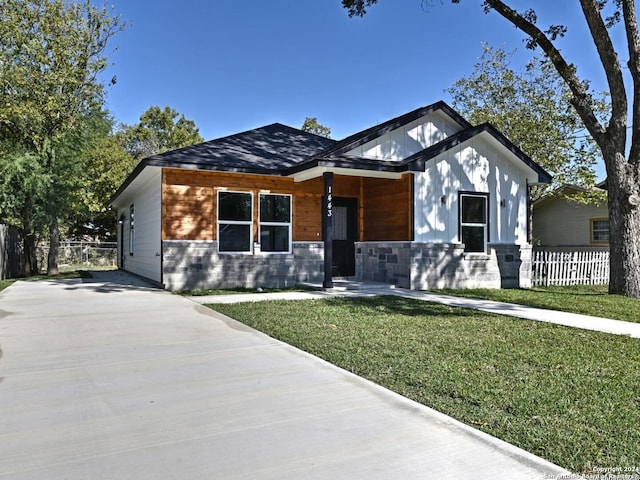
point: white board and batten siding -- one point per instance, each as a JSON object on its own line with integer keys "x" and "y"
{"x": 478, "y": 165}
{"x": 409, "y": 139}
{"x": 474, "y": 166}
{"x": 146, "y": 199}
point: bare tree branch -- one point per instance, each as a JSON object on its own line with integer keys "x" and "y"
{"x": 582, "y": 99}
{"x": 611, "y": 64}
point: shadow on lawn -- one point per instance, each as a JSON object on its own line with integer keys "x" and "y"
{"x": 399, "y": 305}
{"x": 567, "y": 291}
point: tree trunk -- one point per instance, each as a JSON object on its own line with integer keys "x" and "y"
{"x": 623, "y": 184}
{"x": 54, "y": 245}
{"x": 30, "y": 266}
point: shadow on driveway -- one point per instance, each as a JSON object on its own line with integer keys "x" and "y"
{"x": 110, "y": 281}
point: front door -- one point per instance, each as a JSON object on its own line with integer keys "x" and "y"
{"x": 345, "y": 234}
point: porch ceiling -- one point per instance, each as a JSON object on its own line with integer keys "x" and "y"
{"x": 318, "y": 171}
{"x": 350, "y": 166}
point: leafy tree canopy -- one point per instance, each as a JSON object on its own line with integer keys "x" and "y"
{"x": 51, "y": 54}
{"x": 311, "y": 125}
{"x": 159, "y": 130}
{"x": 532, "y": 107}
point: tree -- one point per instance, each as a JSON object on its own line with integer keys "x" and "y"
{"x": 105, "y": 165}
{"x": 621, "y": 158}
{"x": 157, "y": 132}
{"x": 532, "y": 108}
{"x": 23, "y": 184}
{"x": 51, "y": 54}
{"x": 311, "y": 125}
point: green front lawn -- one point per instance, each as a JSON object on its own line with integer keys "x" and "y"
{"x": 570, "y": 396}
{"x": 588, "y": 300}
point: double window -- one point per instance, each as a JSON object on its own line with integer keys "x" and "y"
{"x": 474, "y": 221}
{"x": 235, "y": 222}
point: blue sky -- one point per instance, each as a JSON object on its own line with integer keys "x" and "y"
{"x": 233, "y": 65}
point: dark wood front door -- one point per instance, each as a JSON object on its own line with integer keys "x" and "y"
{"x": 345, "y": 234}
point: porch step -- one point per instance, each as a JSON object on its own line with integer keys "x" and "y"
{"x": 343, "y": 284}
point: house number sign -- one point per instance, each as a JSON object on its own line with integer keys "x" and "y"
{"x": 329, "y": 201}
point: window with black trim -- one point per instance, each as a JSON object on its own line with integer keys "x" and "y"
{"x": 599, "y": 230}
{"x": 235, "y": 214}
{"x": 275, "y": 223}
{"x": 132, "y": 231}
{"x": 474, "y": 221}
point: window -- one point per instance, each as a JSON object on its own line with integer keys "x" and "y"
{"x": 132, "y": 232}
{"x": 473, "y": 221}
{"x": 340, "y": 223}
{"x": 599, "y": 230}
{"x": 235, "y": 213}
{"x": 275, "y": 223}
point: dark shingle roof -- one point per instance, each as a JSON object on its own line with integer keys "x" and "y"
{"x": 277, "y": 149}
{"x": 266, "y": 149}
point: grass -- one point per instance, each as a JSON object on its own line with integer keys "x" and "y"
{"x": 570, "y": 396}
{"x": 584, "y": 299}
{"x": 239, "y": 290}
{"x": 6, "y": 283}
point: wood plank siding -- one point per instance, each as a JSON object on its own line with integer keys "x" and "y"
{"x": 189, "y": 203}
{"x": 387, "y": 209}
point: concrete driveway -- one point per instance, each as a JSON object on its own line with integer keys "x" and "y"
{"x": 111, "y": 379}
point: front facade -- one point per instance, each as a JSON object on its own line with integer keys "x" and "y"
{"x": 422, "y": 201}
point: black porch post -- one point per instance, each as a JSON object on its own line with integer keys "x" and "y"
{"x": 327, "y": 228}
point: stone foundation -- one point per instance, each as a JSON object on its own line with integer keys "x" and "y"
{"x": 190, "y": 265}
{"x": 196, "y": 265}
{"x": 423, "y": 266}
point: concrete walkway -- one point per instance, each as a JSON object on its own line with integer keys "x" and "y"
{"x": 111, "y": 379}
{"x": 365, "y": 289}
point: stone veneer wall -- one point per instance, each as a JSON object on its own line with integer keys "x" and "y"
{"x": 515, "y": 263}
{"x": 190, "y": 265}
{"x": 422, "y": 266}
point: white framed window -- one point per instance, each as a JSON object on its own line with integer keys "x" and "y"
{"x": 132, "y": 231}
{"x": 235, "y": 222}
{"x": 474, "y": 221}
{"x": 275, "y": 223}
{"x": 599, "y": 230}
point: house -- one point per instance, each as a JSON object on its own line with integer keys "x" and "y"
{"x": 566, "y": 219}
{"x": 424, "y": 200}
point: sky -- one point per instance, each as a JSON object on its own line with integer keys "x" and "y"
{"x": 232, "y": 65}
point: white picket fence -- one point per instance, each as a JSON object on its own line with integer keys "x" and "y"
{"x": 570, "y": 267}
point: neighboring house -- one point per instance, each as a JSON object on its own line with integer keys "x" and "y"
{"x": 425, "y": 200}
{"x": 560, "y": 221}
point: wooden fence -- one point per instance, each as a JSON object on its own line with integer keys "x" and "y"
{"x": 570, "y": 267}
{"x": 10, "y": 253}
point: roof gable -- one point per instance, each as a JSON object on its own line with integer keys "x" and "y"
{"x": 365, "y": 136}
{"x": 416, "y": 162}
